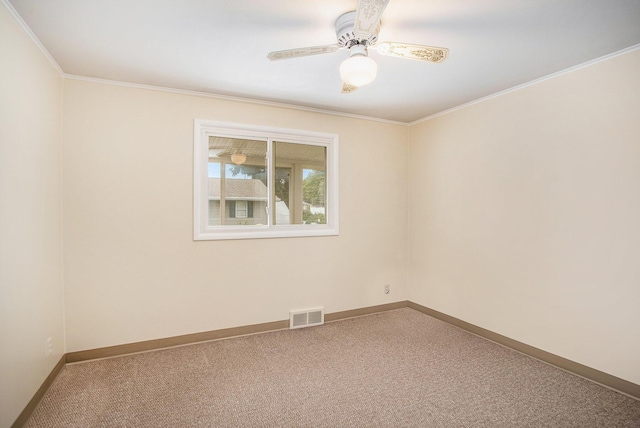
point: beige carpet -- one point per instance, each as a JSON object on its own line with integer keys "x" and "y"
{"x": 395, "y": 369}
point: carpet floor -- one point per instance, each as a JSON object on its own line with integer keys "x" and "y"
{"x": 399, "y": 368}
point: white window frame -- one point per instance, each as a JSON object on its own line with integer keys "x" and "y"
{"x": 203, "y": 129}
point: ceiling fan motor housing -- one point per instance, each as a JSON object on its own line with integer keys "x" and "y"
{"x": 345, "y": 35}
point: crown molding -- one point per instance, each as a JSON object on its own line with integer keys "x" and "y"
{"x": 33, "y": 37}
{"x": 531, "y": 83}
{"x": 229, "y": 98}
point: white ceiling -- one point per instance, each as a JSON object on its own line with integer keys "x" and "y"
{"x": 221, "y": 46}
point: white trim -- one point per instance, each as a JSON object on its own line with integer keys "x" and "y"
{"x": 14, "y": 13}
{"x": 229, "y": 98}
{"x": 201, "y": 229}
{"x": 530, "y": 83}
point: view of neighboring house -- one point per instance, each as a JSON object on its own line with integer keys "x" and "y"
{"x": 244, "y": 203}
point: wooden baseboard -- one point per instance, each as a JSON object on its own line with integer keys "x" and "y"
{"x": 33, "y": 403}
{"x": 150, "y": 345}
{"x": 605, "y": 379}
{"x": 336, "y": 316}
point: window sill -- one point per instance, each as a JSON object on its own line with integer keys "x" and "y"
{"x": 260, "y": 232}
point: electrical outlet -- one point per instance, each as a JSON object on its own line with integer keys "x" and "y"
{"x": 48, "y": 347}
{"x": 387, "y": 289}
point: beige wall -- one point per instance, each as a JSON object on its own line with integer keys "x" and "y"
{"x": 132, "y": 270}
{"x": 31, "y": 289}
{"x": 524, "y": 215}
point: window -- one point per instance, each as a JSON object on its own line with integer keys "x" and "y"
{"x": 259, "y": 182}
{"x": 241, "y": 209}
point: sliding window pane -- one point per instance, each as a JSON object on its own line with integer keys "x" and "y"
{"x": 238, "y": 182}
{"x": 300, "y": 181}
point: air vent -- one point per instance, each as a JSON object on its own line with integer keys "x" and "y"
{"x": 306, "y": 318}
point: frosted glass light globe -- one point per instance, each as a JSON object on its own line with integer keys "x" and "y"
{"x": 238, "y": 158}
{"x": 358, "y": 70}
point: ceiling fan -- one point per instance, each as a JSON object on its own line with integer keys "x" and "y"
{"x": 358, "y": 31}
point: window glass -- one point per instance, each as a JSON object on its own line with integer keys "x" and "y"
{"x": 313, "y": 196}
{"x": 237, "y": 182}
{"x": 305, "y": 195}
{"x": 282, "y": 188}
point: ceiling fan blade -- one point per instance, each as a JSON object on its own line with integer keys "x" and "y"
{"x": 300, "y": 52}
{"x": 347, "y": 88}
{"x": 368, "y": 16}
{"x": 417, "y": 52}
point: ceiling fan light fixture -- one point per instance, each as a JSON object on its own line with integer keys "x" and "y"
{"x": 358, "y": 70}
{"x": 238, "y": 158}
{"x": 358, "y": 31}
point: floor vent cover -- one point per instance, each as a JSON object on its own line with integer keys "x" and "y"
{"x": 306, "y": 318}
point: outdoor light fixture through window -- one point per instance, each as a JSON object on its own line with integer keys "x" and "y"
{"x": 238, "y": 158}
{"x": 358, "y": 70}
